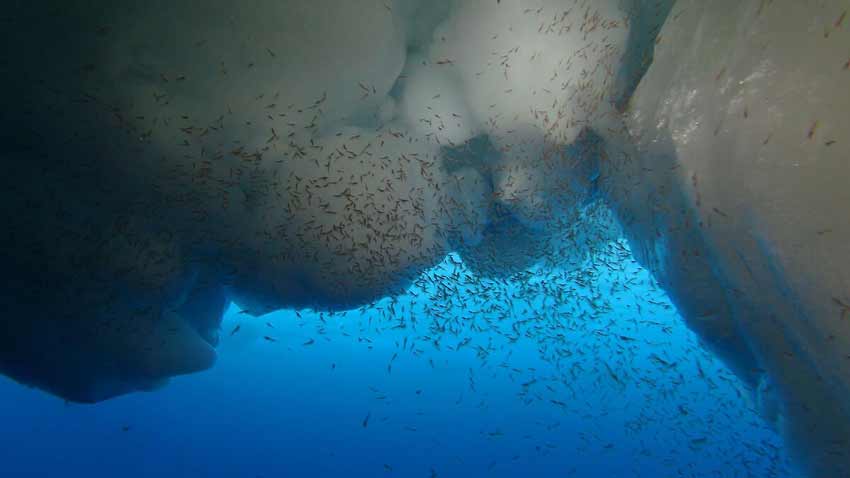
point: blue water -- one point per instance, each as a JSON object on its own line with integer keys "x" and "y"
{"x": 490, "y": 378}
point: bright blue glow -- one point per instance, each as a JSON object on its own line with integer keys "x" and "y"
{"x": 492, "y": 407}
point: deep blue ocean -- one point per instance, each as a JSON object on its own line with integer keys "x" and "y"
{"x": 439, "y": 382}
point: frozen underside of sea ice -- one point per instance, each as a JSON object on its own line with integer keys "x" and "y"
{"x": 164, "y": 161}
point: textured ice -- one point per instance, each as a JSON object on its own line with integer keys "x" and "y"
{"x": 739, "y": 129}
{"x": 165, "y": 160}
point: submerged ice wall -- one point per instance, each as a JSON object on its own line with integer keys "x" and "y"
{"x": 738, "y": 134}
{"x": 163, "y": 160}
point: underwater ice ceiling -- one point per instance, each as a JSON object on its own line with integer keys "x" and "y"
{"x": 162, "y": 160}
